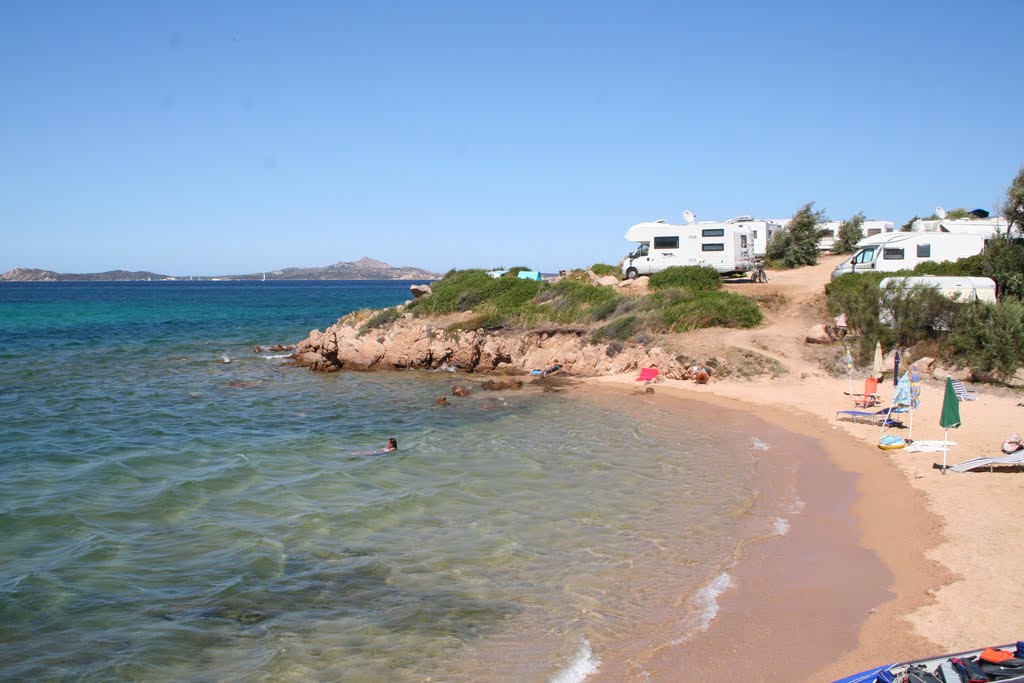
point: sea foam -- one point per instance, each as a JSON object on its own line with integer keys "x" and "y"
{"x": 705, "y": 603}
{"x": 582, "y": 665}
{"x": 759, "y": 445}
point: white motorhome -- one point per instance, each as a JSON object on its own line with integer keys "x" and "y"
{"x": 726, "y": 247}
{"x": 889, "y": 252}
{"x": 987, "y": 227}
{"x": 870, "y": 229}
{"x": 960, "y": 289}
{"x": 761, "y": 231}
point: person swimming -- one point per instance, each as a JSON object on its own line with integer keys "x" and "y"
{"x": 390, "y": 447}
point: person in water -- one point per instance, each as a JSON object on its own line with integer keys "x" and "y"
{"x": 392, "y": 445}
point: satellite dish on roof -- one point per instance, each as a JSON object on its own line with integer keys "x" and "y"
{"x": 688, "y": 216}
{"x": 940, "y": 212}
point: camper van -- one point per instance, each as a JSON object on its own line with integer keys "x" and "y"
{"x": 726, "y": 247}
{"x": 889, "y": 252}
{"x": 761, "y": 231}
{"x": 960, "y": 289}
{"x": 830, "y": 231}
{"x": 987, "y": 227}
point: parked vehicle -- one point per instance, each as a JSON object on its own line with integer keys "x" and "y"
{"x": 889, "y": 252}
{"x": 961, "y": 289}
{"x": 870, "y": 229}
{"x": 726, "y": 247}
{"x": 761, "y": 231}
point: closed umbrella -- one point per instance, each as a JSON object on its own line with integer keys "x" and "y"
{"x": 950, "y": 417}
{"x": 876, "y": 367}
{"x": 895, "y": 367}
{"x": 849, "y": 367}
{"x": 915, "y": 395}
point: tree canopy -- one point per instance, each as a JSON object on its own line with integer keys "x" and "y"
{"x": 849, "y": 233}
{"x": 1014, "y": 209}
{"x": 797, "y": 244}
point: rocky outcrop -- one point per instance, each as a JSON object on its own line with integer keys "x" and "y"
{"x": 421, "y": 343}
{"x": 419, "y": 291}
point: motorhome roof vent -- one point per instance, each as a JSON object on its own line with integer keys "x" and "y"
{"x": 662, "y": 221}
{"x": 741, "y": 219}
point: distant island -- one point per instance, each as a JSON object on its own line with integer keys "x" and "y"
{"x": 364, "y": 269}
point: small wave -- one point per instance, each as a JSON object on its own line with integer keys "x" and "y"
{"x": 780, "y": 526}
{"x": 582, "y": 665}
{"x": 705, "y": 603}
{"x": 279, "y": 355}
{"x": 759, "y": 445}
{"x": 225, "y": 358}
{"x": 795, "y": 507}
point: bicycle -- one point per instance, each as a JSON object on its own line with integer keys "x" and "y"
{"x": 758, "y": 274}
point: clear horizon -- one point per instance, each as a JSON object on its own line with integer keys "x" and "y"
{"x": 196, "y": 138}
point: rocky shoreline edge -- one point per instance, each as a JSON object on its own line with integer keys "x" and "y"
{"x": 438, "y": 342}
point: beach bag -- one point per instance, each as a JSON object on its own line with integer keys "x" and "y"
{"x": 1012, "y": 443}
{"x": 919, "y": 674}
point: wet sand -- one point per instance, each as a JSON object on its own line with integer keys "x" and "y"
{"x": 823, "y": 600}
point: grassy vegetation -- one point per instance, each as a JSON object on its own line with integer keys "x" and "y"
{"x": 602, "y": 269}
{"x": 687, "y": 298}
{"x": 694, "y": 278}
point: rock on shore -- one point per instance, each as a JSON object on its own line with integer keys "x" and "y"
{"x": 424, "y": 343}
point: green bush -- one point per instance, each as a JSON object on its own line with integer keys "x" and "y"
{"x": 602, "y": 269}
{"x": 574, "y": 301}
{"x": 379, "y": 319}
{"x": 797, "y": 244}
{"x": 970, "y": 266}
{"x": 712, "y": 309}
{"x": 988, "y": 336}
{"x": 695, "y": 278}
{"x": 619, "y": 329}
{"x": 915, "y": 314}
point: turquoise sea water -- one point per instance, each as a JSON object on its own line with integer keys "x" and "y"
{"x": 174, "y": 506}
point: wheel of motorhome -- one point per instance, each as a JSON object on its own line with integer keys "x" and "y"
{"x": 632, "y": 273}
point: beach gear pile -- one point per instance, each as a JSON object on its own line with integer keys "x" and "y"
{"x": 1000, "y": 663}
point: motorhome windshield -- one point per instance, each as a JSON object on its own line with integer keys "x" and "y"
{"x": 640, "y": 251}
{"x": 865, "y": 255}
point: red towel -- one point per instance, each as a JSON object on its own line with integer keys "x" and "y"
{"x": 647, "y": 374}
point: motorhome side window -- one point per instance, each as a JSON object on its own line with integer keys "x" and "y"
{"x": 713, "y": 246}
{"x": 892, "y": 254}
{"x": 666, "y": 242}
{"x": 924, "y": 251}
{"x": 743, "y": 241}
{"x": 712, "y": 232}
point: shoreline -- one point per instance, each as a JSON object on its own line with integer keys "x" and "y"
{"x": 906, "y": 514}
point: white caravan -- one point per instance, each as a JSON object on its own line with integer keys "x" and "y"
{"x": 889, "y": 252}
{"x": 760, "y": 230}
{"x": 986, "y": 227}
{"x": 726, "y": 247}
{"x": 870, "y": 229}
{"x": 960, "y": 289}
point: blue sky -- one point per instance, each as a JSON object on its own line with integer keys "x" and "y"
{"x": 229, "y": 137}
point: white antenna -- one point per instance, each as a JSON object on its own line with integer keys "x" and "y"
{"x": 940, "y": 212}
{"x": 688, "y": 216}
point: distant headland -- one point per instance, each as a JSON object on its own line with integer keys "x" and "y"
{"x": 364, "y": 269}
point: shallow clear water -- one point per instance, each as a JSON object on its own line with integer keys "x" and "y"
{"x": 165, "y": 514}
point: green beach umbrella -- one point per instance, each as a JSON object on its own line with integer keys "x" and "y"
{"x": 950, "y": 417}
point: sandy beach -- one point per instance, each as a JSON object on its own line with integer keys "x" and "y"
{"x": 945, "y": 540}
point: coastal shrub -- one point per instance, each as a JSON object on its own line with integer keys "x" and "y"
{"x": 696, "y": 278}
{"x": 602, "y": 269}
{"x": 456, "y": 291}
{"x": 573, "y": 301}
{"x": 712, "y": 309}
{"x": 914, "y": 314}
{"x": 848, "y": 234}
{"x": 856, "y": 295}
{"x": 988, "y": 337}
{"x": 971, "y": 266}
{"x": 379, "y": 319}
{"x": 1003, "y": 261}
{"x": 619, "y": 329}
{"x": 797, "y": 244}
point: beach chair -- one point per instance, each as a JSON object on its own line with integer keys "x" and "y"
{"x": 648, "y": 375}
{"x": 1013, "y": 459}
{"x": 870, "y": 397}
{"x": 881, "y": 418}
{"x": 961, "y": 391}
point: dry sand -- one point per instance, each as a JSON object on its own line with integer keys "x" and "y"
{"x": 950, "y": 542}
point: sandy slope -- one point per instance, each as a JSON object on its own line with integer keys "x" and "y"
{"x": 979, "y": 598}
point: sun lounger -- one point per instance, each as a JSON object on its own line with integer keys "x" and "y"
{"x": 870, "y": 417}
{"x": 1009, "y": 460}
{"x": 961, "y": 391}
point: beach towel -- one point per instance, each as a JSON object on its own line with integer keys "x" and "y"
{"x": 647, "y": 374}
